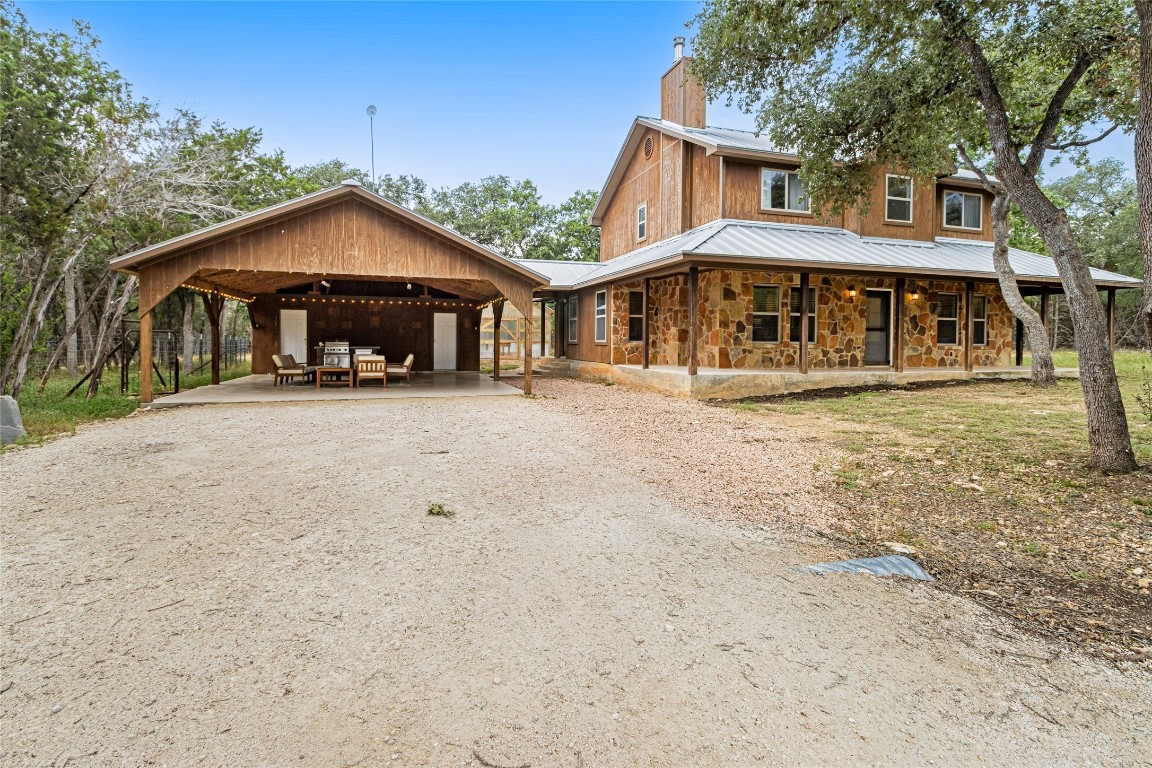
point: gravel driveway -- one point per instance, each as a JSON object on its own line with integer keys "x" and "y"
{"x": 260, "y": 585}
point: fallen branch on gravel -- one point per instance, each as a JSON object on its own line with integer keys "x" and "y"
{"x": 29, "y": 618}
{"x": 1047, "y": 717}
{"x": 488, "y": 764}
{"x": 166, "y": 605}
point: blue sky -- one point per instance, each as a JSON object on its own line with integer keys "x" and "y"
{"x": 539, "y": 90}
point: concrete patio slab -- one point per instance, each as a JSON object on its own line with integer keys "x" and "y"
{"x": 258, "y": 389}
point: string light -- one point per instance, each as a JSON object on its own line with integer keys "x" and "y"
{"x": 211, "y": 292}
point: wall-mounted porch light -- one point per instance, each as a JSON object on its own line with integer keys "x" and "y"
{"x": 915, "y": 295}
{"x": 851, "y": 292}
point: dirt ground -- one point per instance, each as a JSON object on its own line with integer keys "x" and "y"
{"x": 261, "y": 585}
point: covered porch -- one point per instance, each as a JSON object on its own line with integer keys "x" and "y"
{"x": 258, "y": 388}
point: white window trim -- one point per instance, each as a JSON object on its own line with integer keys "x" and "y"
{"x": 778, "y": 313}
{"x": 573, "y": 318}
{"x": 944, "y": 211}
{"x": 955, "y": 319}
{"x": 642, "y": 208}
{"x": 982, "y": 320}
{"x": 911, "y": 195}
{"x": 791, "y": 211}
{"x": 812, "y": 314}
{"x": 600, "y": 311}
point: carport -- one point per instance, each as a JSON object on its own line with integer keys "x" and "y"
{"x": 340, "y": 263}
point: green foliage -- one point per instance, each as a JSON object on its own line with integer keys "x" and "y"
{"x": 439, "y": 510}
{"x": 851, "y": 85}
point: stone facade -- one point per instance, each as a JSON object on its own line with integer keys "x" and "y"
{"x": 724, "y": 323}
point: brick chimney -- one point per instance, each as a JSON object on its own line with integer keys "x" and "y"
{"x": 681, "y": 96}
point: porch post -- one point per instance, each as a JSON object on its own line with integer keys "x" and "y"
{"x": 215, "y": 308}
{"x": 644, "y": 334}
{"x": 146, "y": 357}
{"x": 527, "y": 356}
{"x": 805, "y": 311}
{"x": 497, "y": 316}
{"x": 543, "y": 326}
{"x": 693, "y": 287}
{"x": 1044, "y": 312}
{"x": 1111, "y": 319}
{"x": 1019, "y": 343}
{"x": 898, "y": 323}
{"x": 968, "y": 291}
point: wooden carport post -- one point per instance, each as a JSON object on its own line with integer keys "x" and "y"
{"x": 497, "y": 318}
{"x": 146, "y": 357}
{"x": 214, "y": 306}
{"x": 898, "y": 330}
{"x": 1044, "y": 315}
{"x": 543, "y": 326}
{"x": 527, "y": 355}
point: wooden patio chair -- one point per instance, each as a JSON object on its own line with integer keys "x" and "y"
{"x": 287, "y": 368}
{"x": 404, "y": 369}
{"x": 371, "y": 367}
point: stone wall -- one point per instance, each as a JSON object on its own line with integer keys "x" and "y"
{"x": 724, "y": 323}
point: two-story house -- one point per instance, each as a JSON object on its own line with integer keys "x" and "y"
{"x": 713, "y": 266}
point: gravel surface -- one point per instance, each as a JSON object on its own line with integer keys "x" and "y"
{"x": 261, "y": 585}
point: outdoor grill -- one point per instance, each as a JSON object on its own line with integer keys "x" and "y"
{"x": 337, "y": 354}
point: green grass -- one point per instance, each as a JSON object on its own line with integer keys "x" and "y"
{"x": 488, "y": 367}
{"x": 1004, "y": 424}
{"x": 51, "y": 413}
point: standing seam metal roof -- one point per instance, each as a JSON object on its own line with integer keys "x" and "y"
{"x": 826, "y": 247}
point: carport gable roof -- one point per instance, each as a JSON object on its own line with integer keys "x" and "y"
{"x": 131, "y": 262}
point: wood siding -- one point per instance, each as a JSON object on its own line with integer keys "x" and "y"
{"x": 682, "y": 98}
{"x": 399, "y": 330}
{"x": 742, "y": 197}
{"x": 985, "y": 232}
{"x": 705, "y": 188}
{"x": 869, "y": 220}
{"x": 642, "y": 183}
{"x": 585, "y": 347}
{"x": 345, "y": 237}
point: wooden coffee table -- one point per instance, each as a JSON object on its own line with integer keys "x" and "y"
{"x": 334, "y": 371}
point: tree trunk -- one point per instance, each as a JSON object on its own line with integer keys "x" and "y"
{"x": 70, "y": 340}
{"x": 1109, "y": 443}
{"x": 1143, "y": 141}
{"x": 1043, "y": 370}
{"x": 106, "y": 333}
{"x": 83, "y": 313}
{"x": 187, "y": 332}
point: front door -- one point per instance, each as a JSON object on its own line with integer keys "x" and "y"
{"x": 294, "y": 333}
{"x": 444, "y": 341}
{"x": 879, "y": 329}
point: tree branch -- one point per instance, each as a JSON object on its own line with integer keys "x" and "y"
{"x": 993, "y": 187}
{"x": 1055, "y": 112}
{"x": 1083, "y": 143}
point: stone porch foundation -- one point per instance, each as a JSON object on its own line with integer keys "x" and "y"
{"x": 730, "y": 384}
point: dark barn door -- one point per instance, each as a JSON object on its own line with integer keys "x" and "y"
{"x": 878, "y": 333}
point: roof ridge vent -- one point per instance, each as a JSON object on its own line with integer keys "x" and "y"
{"x": 350, "y": 183}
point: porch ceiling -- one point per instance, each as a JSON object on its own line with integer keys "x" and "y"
{"x": 249, "y": 283}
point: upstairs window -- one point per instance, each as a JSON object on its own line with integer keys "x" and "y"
{"x": 642, "y": 221}
{"x": 948, "y": 319}
{"x": 601, "y": 317}
{"x": 979, "y": 320}
{"x": 963, "y": 210}
{"x": 782, "y": 191}
{"x": 794, "y": 315}
{"x": 573, "y": 317}
{"x": 635, "y": 316}
{"x": 898, "y": 200}
{"x": 766, "y": 313}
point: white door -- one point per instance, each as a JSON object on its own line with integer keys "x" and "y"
{"x": 294, "y": 334}
{"x": 444, "y": 341}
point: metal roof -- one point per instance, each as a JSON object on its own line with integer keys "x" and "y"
{"x": 793, "y": 245}
{"x": 560, "y": 272}
{"x": 717, "y": 138}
